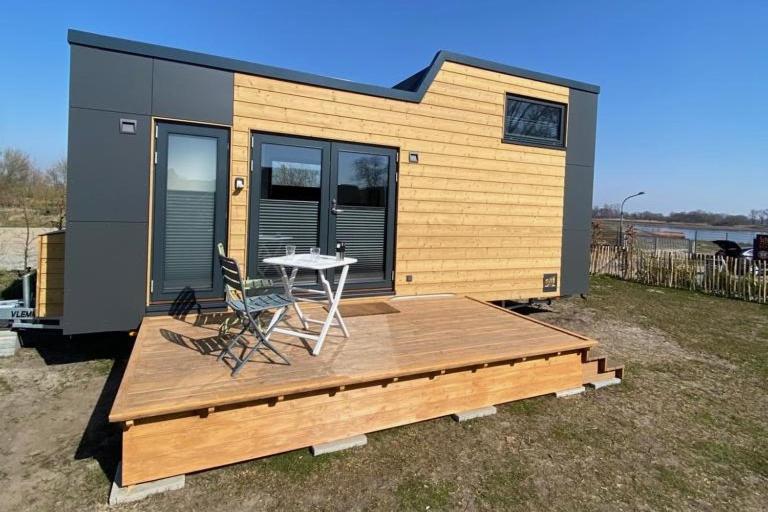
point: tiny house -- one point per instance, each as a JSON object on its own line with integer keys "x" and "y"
{"x": 466, "y": 183}
{"x": 469, "y": 177}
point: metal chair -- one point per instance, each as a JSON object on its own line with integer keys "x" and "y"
{"x": 248, "y": 303}
{"x": 250, "y": 284}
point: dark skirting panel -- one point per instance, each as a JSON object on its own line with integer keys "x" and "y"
{"x": 106, "y": 268}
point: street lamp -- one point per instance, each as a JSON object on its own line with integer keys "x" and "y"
{"x": 621, "y": 217}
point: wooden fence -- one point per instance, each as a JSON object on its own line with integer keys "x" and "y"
{"x": 735, "y": 278}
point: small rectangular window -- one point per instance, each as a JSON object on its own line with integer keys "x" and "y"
{"x": 535, "y": 122}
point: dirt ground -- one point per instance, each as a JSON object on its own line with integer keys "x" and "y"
{"x": 687, "y": 430}
{"x": 12, "y": 241}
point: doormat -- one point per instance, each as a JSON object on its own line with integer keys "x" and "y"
{"x": 365, "y": 309}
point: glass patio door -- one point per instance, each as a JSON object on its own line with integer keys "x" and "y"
{"x": 362, "y": 211}
{"x": 189, "y": 216}
{"x": 287, "y": 183}
{"x": 311, "y": 193}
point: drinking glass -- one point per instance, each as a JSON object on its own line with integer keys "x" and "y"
{"x": 314, "y": 253}
{"x": 290, "y": 251}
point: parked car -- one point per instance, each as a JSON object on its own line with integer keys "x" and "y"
{"x": 730, "y": 249}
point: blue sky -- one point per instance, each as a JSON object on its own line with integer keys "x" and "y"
{"x": 683, "y": 112}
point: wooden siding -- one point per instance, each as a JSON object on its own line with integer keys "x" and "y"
{"x": 475, "y": 215}
{"x": 180, "y": 444}
{"x": 49, "y": 291}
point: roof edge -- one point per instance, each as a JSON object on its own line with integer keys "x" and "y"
{"x": 490, "y": 65}
{"x": 415, "y": 86}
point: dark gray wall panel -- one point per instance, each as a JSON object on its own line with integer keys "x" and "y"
{"x": 577, "y": 201}
{"x": 108, "y": 80}
{"x": 108, "y": 172}
{"x": 574, "y": 271}
{"x": 104, "y": 276}
{"x": 577, "y": 212}
{"x": 582, "y": 123}
{"x": 182, "y": 91}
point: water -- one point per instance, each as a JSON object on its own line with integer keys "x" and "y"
{"x": 742, "y": 237}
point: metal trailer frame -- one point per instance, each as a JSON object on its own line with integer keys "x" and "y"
{"x": 20, "y": 313}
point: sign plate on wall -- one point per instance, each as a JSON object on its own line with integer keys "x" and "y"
{"x": 550, "y": 283}
{"x": 17, "y": 313}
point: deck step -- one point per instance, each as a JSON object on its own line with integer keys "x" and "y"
{"x": 597, "y": 370}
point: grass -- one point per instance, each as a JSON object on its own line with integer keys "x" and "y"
{"x": 506, "y": 488}
{"x": 673, "y": 478}
{"x": 525, "y": 407}
{"x": 422, "y": 494}
{"x": 14, "y": 217}
{"x": 102, "y": 366}
{"x": 10, "y": 285}
{"x": 686, "y": 430}
{"x": 299, "y": 464}
{"x": 752, "y": 458}
{"x": 5, "y": 386}
{"x": 733, "y": 330}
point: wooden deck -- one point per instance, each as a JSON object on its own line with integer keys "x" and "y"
{"x": 183, "y": 412}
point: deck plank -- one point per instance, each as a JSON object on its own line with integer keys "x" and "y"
{"x": 173, "y": 365}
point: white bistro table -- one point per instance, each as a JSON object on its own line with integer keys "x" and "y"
{"x": 320, "y": 265}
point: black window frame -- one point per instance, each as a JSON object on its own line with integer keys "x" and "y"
{"x": 327, "y": 222}
{"x": 536, "y": 141}
{"x": 158, "y": 295}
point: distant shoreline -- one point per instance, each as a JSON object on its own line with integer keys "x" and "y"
{"x": 689, "y": 225}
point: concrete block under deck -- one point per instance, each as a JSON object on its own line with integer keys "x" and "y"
{"x": 474, "y": 414}
{"x": 339, "y": 445}
{"x": 120, "y": 494}
{"x": 9, "y": 343}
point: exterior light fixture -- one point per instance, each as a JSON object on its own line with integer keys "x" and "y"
{"x": 239, "y": 183}
{"x": 128, "y": 126}
{"x": 413, "y": 158}
{"x": 621, "y": 217}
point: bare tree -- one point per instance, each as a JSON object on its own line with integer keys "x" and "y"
{"x": 295, "y": 176}
{"x": 32, "y": 195}
{"x": 607, "y": 211}
{"x": 57, "y": 182}
{"x": 17, "y": 176}
{"x": 27, "y": 231}
{"x": 15, "y": 171}
{"x": 597, "y": 232}
{"x": 371, "y": 171}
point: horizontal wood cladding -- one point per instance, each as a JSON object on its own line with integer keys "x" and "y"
{"x": 484, "y": 211}
{"x": 164, "y": 446}
{"x": 49, "y": 293}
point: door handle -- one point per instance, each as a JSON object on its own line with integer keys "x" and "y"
{"x": 334, "y": 209}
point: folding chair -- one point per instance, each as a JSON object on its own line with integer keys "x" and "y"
{"x": 249, "y": 303}
{"x": 250, "y": 284}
